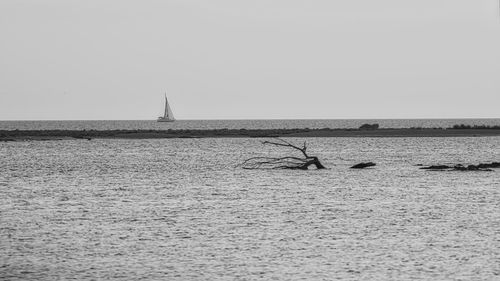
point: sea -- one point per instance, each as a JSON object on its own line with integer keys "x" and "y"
{"x": 183, "y": 209}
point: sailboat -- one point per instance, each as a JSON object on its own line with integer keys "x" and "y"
{"x": 168, "y": 116}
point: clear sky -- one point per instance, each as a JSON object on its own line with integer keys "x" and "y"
{"x": 253, "y": 59}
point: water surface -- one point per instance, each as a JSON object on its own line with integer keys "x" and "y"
{"x": 178, "y": 209}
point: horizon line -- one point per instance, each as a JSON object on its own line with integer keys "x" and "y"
{"x": 258, "y": 119}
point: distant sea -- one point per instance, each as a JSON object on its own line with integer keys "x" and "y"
{"x": 237, "y": 124}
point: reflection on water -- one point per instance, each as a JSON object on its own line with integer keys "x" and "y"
{"x": 178, "y": 209}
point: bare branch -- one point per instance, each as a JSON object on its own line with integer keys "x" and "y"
{"x": 288, "y": 162}
{"x": 287, "y": 144}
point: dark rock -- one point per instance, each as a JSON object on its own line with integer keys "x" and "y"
{"x": 477, "y": 168}
{"x": 436, "y": 167}
{"x": 363, "y": 165}
{"x": 472, "y": 168}
{"x": 460, "y": 167}
{"x": 486, "y": 166}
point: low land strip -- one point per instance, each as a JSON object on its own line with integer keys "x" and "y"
{"x": 19, "y": 135}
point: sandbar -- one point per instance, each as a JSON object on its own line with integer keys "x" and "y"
{"x": 22, "y": 135}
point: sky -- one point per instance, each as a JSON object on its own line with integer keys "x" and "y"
{"x": 258, "y": 59}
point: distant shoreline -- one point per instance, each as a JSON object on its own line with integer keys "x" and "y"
{"x": 21, "y": 135}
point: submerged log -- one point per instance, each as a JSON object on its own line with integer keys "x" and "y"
{"x": 363, "y": 165}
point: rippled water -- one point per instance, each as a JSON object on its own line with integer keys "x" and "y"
{"x": 238, "y": 124}
{"x": 178, "y": 209}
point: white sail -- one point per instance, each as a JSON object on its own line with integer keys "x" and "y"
{"x": 168, "y": 111}
{"x": 168, "y": 116}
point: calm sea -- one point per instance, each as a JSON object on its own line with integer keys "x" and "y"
{"x": 238, "y": 124}
{"x": 180, "y": 209}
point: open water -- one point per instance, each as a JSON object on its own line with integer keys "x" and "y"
{"x": 179, "y": 209}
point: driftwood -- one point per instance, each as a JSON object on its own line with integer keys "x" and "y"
{"x": 363, "y": 165}
{"x": 288, "y": 162}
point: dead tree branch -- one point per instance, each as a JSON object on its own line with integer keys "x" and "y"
{"x": 288, "y": 162}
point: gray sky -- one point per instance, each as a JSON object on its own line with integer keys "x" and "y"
{"x": 229, "y": 59}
